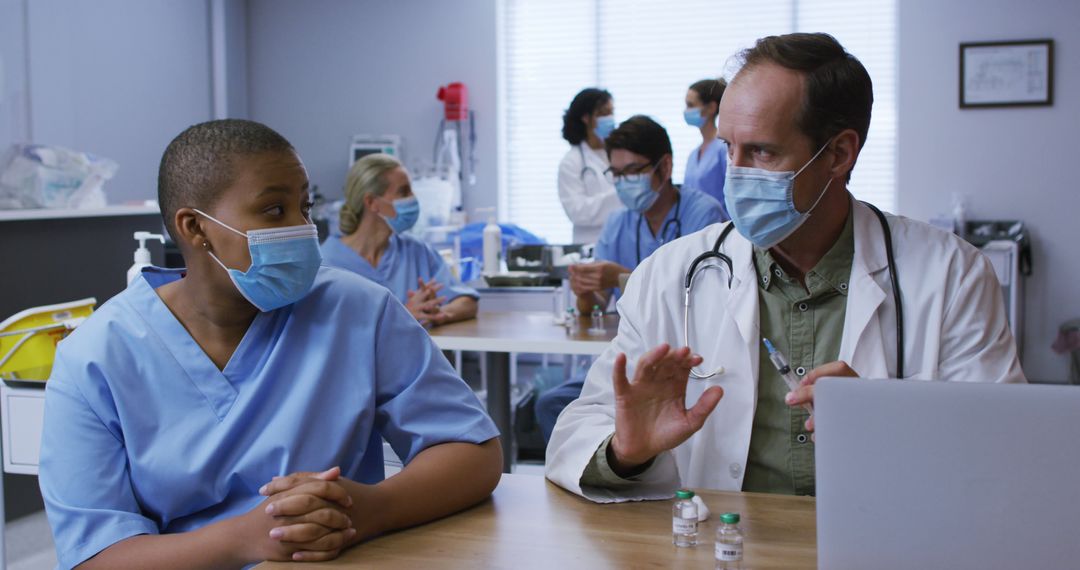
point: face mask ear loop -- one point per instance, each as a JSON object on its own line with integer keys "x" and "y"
{"x": 220, "y": 223}
{"x": 812, "y": 159}
{"x": 224, "y": 225}
{"x": 808, "y": 163}
{"x": 215, "y": 258}
{"x": 820, "y": 196}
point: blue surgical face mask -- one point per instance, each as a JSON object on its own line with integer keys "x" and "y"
{"x": 693, "y": 117}
{"x": 635, "y": 191}
{"x": 762, "y": 205}
{"x": 284, "y": 262}
{"x": 408, "y": 211}
{"x": 604, "y": 125}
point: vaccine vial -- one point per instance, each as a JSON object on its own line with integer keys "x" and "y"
{"x": 729, "y": 542}
{"x": 597, "y": 325}
{"x": 572, "y": 325}
{"x": 684, "y": 521}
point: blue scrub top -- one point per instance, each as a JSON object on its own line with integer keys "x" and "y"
{"x": 405, "y": 260}
{"x": 707, "y": 174}
{"x": 144, "y": 435}
{"x": 625, "y": 229}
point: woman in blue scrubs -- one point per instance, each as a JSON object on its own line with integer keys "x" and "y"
{"x": 707, "y": 163}
{"x": 379, "y": 208}
{"x": 233, "y": 411}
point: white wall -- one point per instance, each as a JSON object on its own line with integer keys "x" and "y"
{"x": 1013, "y": 163}
{"x": 321, "y": 71}
{"x": 117, "y": 78}
{"x": 14, "y": 117}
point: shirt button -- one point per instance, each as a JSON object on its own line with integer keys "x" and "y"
{"x": 735, "y": 470}
{"x": 801, "y": 438}
{"x": 800, "y": 371}
{"x": 803, "y": 307}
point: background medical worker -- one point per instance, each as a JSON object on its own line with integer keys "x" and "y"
{"x": 171, "y": 410}
{"x": 707, "y": 163}
{"x": 379, "y": 207}
{"x": 810, "y": 270}
{"x": 586, "y": 195}
{"x": 656, "y": 212}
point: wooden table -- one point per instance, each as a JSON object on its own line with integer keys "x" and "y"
{"x": 497, "y": 334}
{"x": 531, "y": 523}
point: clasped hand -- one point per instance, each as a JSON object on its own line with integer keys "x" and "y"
{"x": 425, "y": 304}
{"x": 305, "y": 517}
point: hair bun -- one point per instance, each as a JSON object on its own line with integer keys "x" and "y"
{"x": 348, "y": 220}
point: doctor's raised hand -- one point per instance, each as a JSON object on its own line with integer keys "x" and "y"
{"x": 650, "y": 411}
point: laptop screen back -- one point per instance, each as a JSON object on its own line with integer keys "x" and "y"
{"x": 915, "y": 474}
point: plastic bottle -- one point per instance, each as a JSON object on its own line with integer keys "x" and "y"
{"x": 572, "y": 327}
{"x": 729, "y": 543}
{"x": 142, "y": 255}
{"x": 492, "y": 247}
{"x": 959, "y": 215}
{"x": 684, "y": 519}
{"x": 558, "y": 314}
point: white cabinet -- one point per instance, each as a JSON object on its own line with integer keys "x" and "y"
{"x": 22, "y": 411}
{"x": 1005, "y": 256}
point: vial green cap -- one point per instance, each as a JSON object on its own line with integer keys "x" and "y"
{"x": 596, "y": 307}
{"x": 684, "y": 494}
{"x": 729, "y": 518}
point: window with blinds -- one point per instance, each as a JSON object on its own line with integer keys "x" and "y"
{"x": 647, "y": 53}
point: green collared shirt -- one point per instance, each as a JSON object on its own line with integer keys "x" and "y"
{"x": 806, "y": 324}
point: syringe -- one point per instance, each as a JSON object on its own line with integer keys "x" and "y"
{"x": 780, "y": 362}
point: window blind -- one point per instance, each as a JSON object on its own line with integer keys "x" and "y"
{"x": 647, "y": 53}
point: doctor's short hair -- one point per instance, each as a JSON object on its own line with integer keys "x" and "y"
{"x": 198, "y": 164}
{"x": 640, "y": 135}
{"x": 367, "y": 176}
{"x": 585, "y": 102}
{"x": 839, "y": 94}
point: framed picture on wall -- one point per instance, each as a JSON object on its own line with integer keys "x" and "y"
{"x": 1007, "y": 74}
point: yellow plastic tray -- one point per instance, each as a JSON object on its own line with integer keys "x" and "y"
{"x": 28, "y": 339}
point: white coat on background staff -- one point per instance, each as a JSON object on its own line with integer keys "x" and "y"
{"x": 960, "y": 333}
{"x": 587, "y": 195}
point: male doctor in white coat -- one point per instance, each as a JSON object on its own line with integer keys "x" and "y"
{"x": 810, "y": 272}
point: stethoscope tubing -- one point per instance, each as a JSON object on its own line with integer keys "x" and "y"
{"x": 698, "y": 264}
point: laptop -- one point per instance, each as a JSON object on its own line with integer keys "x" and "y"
{"x": 917, "y": 474}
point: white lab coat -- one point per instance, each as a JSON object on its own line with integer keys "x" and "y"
{"x": 587, "y": 197}
{"x": 955, "y": 329}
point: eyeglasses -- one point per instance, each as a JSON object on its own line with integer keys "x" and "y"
{"x": 631, "y": 173}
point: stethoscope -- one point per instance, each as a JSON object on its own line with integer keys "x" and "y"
{"x": 715, "y": 253}
{"x": 674, "y": 221}
{"x": 585, "y": 165}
